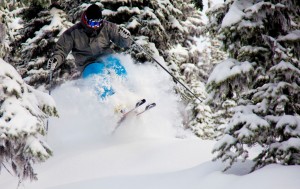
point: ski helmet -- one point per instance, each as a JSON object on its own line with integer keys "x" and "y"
{"x": 93, "y": 12}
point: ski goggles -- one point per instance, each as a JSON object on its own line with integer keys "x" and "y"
{"x": 94, "y": 23}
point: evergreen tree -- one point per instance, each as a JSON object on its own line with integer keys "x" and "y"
{"x": 23, "y": 111}
{"x": 21, "y": 144}
{"x": 261, "y": 76}
{"x": 210, "y": 54}
{"x": 31, "y": 44}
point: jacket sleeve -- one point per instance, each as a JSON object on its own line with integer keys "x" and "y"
{"x": 63, "y": 47}
{"x": 116, "y": 38}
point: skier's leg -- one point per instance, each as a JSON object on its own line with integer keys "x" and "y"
{"x": 101, "y": 81}
{"x": 97, "y": 68}
{"x": 112, "y": 62}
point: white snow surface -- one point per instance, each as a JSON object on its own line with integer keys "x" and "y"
{"x": 25, "y": 110}
{"x": 213, "y": 3}
{"x": 236, "y": 12}
{"x": 151, "y": 151}
{"x": 292, "y": 36}
{"x": 228, "y": 68}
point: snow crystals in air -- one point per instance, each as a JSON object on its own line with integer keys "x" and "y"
{"x": 82, "y": 109}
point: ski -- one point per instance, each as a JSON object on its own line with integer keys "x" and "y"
{"x": 138, "y": 104}
{"x": 148, "y": 107}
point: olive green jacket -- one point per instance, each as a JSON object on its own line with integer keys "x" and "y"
{"x": 88, "y": 44}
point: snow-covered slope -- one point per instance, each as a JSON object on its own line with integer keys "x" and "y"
{"x": 151, "y": 163}
{"x": 152, "y": 151}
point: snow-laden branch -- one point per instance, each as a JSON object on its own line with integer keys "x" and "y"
{"x": 23, "y": 111}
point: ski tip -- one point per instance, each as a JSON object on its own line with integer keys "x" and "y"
{"x": 150, "y": 106}
{"x": 139, "y": 103}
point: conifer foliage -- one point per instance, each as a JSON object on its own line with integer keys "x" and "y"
{"x": 261, "y": 76}
{"x": 23, "y": 111}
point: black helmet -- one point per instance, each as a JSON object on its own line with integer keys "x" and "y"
{"x": 93, "y": 12}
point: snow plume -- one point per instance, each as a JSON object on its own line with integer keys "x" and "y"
{"x": 84, "y": 118}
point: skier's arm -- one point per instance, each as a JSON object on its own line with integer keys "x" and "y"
{"x": 63, "y": 47}
{"x": 117, "y": 38}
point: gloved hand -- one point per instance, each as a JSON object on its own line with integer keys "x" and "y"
{"x": 52, "y": 63}
{"x": 124, "y": 32}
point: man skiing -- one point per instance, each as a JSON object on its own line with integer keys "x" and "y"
{"x": 88, "y": 40}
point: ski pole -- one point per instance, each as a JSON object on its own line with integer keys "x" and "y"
{"x": 50, "y": 83}
{"x": 174, "y": 78}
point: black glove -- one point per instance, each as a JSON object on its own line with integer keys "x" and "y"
{"x": 124, "y": 32}
{"x": 52, "y": 63}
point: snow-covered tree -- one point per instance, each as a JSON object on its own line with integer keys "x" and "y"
{"x": 23, "y": 111}
{"x": 4, "y": 38}
{"x": 210, "y": 54}
{"x": 33, "y": 31}
{"x": 261, "y": 77}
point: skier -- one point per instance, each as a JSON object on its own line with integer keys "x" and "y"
{"x": 88, "y": 40}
